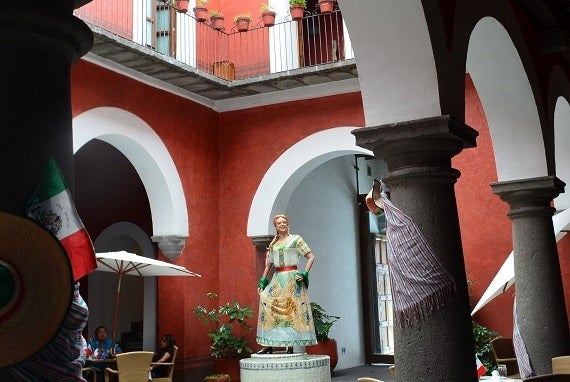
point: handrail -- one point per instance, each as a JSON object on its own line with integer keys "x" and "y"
{"x": 225, "y": 52}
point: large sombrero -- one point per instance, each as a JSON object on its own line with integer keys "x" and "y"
{"x": 36, "y": 288}
{"x": 374, "y": 198}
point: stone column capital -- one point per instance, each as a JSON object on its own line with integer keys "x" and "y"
{"x": 529, "y": 196}
{"x": 262, "y": 242}
{"x": 424, "y": 142}
{"x": 170, "y": 245}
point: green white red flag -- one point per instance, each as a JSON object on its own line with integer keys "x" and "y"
{"x": 51, "y": 205}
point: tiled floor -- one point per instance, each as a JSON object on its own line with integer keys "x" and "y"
{"x": 351, "y": 375}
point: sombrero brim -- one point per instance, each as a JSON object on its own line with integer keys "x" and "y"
{"x": 374, "y": 198}
{"x": 36, "y": 288}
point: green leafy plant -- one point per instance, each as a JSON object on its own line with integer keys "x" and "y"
{"x": 296, "y": 3}
{"x": 222, "y": 319}
{"x": 216, "y": 13}
{"x": 323, "y": 321}
{"x": 201, "y": 2}
{"x": 242, "y": 16}
{"x": 265, "y": 7}
{"x": 482, "y": 337}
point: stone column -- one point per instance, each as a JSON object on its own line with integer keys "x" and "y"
{"x": 541, "y": 309}
{"x": 39, "y": 42}
{"x": 421, "y": 181}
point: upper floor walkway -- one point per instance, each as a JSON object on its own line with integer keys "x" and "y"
{"x": 156, "y": 43}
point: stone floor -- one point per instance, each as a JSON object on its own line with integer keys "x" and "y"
{"x": 351, "y": 375}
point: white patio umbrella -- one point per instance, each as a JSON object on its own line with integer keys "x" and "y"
{"x": 126, "y": 263}
{"x": 506, "y": 275}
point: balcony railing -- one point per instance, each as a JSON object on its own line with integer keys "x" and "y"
{"x": 315, "y": 40}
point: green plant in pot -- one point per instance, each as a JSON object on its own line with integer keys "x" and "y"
{"x": 323, "y": 323}
{"x": 297, "y": 8}
{"x": 227, "y": 347}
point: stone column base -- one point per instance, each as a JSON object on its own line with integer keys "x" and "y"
{"x": 285, "y": 367}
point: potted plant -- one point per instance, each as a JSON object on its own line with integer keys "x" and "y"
{"x": 297, "y": 8}
{"x": 267, "y": 15}
{"x": 200, "y": 11}
{"x": 227, "y": 347}
{"x": 218, "y": 378}
{"x": 242, "y": 21}
{"x": 216, "y": 19}
{"x": 323, "y": 323}
{"x": 326, "y": 6}
{"x": 181, "y": 5}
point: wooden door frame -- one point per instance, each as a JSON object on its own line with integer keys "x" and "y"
{"x": 368, "y": 287}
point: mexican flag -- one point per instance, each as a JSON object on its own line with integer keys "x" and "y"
{"x": 51, "y": 206}
{"x": 481, "y": 369}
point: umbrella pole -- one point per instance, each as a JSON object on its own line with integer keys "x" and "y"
{"x": 115, "y": 316}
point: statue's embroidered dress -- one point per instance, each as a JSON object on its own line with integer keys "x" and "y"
{"x": 285, "y": 317}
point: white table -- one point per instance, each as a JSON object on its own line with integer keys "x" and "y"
{"x": 489, "y": 378}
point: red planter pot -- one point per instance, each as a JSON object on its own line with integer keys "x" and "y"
{"x": 297, "y": 12}
{"x": 201, "y": 14}
{"x": 242, "y": 24}
{"x": 268, "y": 18}
{"x": 182, "y": 6}
{"x": 325, "y": 348}
{"x": 217, "y": 22}
{"x": 326, "y": 6}
{"x": 228, "y": 366}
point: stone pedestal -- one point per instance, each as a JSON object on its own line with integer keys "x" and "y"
{"x": 286, "y": 367}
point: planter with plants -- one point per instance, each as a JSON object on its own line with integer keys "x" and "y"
{"x": 326, "y": 6}
{"x": 227, "y": 347}
{"x": 216, "y": 19}
{"x": 218, "y": 378}
{"x": 297, "y": 8}
{"x": 181, "y": 5}
{"x": 242, "y": 21}
{"x": 267, "y": 15}
{"x": 200, "y": 11}
{"x": 323, "y": 324}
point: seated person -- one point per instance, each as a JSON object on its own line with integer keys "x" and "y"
{"x": 164, "y": 354}
{"x": 101, "y": 346}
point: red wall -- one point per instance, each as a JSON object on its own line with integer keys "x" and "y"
{"x": 222, "y": 159}
{"x": 190, "y": 134}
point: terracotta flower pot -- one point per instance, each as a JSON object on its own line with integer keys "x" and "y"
{"x": 297, "y": 12}
{"x": 327, "y": 347}
{"x": 217, "y": 22}
{"x": 228, "y": 366}
{"x": 201, "y": 14}
{"x": 182, "y": 6}
{"x": 268, "y": 18}
{"x": 326, "y": 6}
{"x": 242, "y": 24}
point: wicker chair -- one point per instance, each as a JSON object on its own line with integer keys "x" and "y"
{"x": 89, "y": 373}
{"x": 561, "y": 365}
{"x": 504, "y": 352}
{"x": 131, "y": 367}
{"x": 549, "y": 378}
{"x": 392, "y": 370}
{"x": 168, "y": 378}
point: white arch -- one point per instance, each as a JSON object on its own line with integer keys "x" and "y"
{"x": 145, "y": 150}
{"x": 279, "y": 182}
{"x": 561, "y": 150}
{"x": 505, "y": 92}
{"x": 396, "y": 65}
